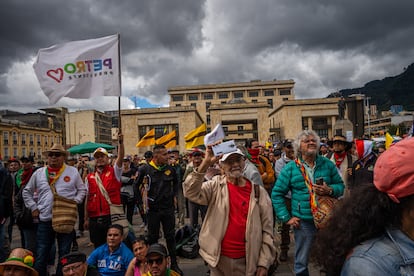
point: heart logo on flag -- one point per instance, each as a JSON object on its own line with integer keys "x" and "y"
{"x": 57, "y": 74}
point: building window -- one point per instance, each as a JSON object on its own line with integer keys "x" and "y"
{"x": 31, "y": 139}
{"x": 39, "y": 152}
{"x": 223, "y": 95}
{"x": 208, "y": 96}
{"x": 193, "y": 97}
{"x": 208, "y": 105}
{"x": 142, "y": 130}
{"x": 6, "y": 153}
{"x": 177, "y": 98}
{"x": 208, "y": 119}
{"x": 24, "y": 151}
{"x": 5, "y": 138}
{"x": 14, "y": 138}
{"x": 194, "y": 104}
{"x": 270, "y": 102}
{"x": 284, "y": 92}
{"x": 254, "y": 101}
{"x": 15, "y": 153}
{"x": 238, "y": 94}
{"x": 253, "y": 94}
{"x": 269, "y": 93}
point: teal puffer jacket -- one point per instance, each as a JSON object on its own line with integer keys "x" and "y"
{"x": 291, "y": 179}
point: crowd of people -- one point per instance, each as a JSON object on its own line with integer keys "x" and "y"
{"x": 244, "y": 205}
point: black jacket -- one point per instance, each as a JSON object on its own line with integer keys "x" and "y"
{"x": 163, "y": 186}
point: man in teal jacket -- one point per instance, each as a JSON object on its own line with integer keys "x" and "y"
{"x": 291, "y": 178}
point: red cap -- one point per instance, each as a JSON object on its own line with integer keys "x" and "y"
{"x": 394, "y": 172}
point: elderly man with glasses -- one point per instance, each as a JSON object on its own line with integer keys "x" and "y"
{"x": 38, "y": 197}
{"x": 307, "y": 172}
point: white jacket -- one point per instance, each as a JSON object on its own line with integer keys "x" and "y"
{"x": 69, "y": 185}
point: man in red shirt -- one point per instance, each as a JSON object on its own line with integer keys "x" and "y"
{"x": 97, "y": 214}
{"x": 236, "y": 237}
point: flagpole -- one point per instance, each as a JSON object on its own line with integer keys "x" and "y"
{"x": 120, "y": 84}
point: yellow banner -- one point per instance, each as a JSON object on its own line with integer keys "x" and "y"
{"x": 147, "y": 140}
{"x": 195, "y": 137}
{"x": 168, "y": 140}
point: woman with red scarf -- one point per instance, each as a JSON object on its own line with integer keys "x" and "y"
{"x": 23, "y": 215}
{"x": 342, "y": 158}
{"x": 263, "y": 164}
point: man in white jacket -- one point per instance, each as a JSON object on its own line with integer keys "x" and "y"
{"x": 38, "y": 197}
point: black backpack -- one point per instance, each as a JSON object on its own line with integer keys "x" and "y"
{"x": 186, "y": 240}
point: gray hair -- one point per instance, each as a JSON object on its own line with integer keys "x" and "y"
{"x": 303, "y": 134}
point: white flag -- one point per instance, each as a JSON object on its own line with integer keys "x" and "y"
{"x": 80, "y": 69}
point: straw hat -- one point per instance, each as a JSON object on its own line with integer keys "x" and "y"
{"x": 20, "y": 257}
{"x": 56, "y": 148}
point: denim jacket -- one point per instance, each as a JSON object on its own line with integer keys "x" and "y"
{"x": 390, "y": 254}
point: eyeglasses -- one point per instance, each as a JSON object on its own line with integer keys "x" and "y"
{"x": 158, "y": 261}
{"x": 54, "y": 154}
{"x": 67, "y": 269}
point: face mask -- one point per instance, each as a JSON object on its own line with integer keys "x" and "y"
{"x": 254, "y": 152}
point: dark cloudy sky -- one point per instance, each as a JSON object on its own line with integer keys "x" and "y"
{"x": 324, "y": 45}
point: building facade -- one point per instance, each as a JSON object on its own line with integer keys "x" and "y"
{"x": 22, "y": 139}
{"x": 137, "y": 122}
{"x": 320, "y": 115}
{"x": 202, "y": 97}
{"x": 88, "y": 126}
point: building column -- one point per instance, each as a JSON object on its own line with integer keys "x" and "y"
{"x": 333, "y": 119}
{"x": 310, "y": 123}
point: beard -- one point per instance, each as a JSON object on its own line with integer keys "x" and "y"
{"x": 235, "y": 173}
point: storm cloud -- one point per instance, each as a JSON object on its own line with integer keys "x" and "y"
{"x": 324, "y": 46}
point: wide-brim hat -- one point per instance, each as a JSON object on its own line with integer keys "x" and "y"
{"x": 57, "y": 148}
{"x": 20, "y": 257}
{"x": 340, "y": 138}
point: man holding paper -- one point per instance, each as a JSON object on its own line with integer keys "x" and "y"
{"x": 236, "y": 237}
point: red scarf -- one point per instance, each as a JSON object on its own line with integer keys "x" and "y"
{"x": 254, "y": 154}
{"x": 26, "y": 176}
{"x": 339, "y": 158}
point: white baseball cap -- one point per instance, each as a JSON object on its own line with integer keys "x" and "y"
{"x": 226, "y": 155}
{"x": 100, "y": 150}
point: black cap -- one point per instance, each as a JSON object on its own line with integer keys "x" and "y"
{"x": 27, "y": 159}
{"x": 71, "y": 258}
{"x": 157, "y": 248}
{"x": 287, "y": 142}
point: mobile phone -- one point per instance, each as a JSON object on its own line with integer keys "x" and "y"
{"x": 319, "y": 181}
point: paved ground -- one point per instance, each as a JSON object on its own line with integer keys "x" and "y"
{"x": 189, "y": 266}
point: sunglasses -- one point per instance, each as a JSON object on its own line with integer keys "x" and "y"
{"x": 158, "y": 261}
{"x": 54, "y": 154}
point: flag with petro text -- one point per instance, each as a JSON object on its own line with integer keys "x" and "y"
{"x": 80, "y": 69}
